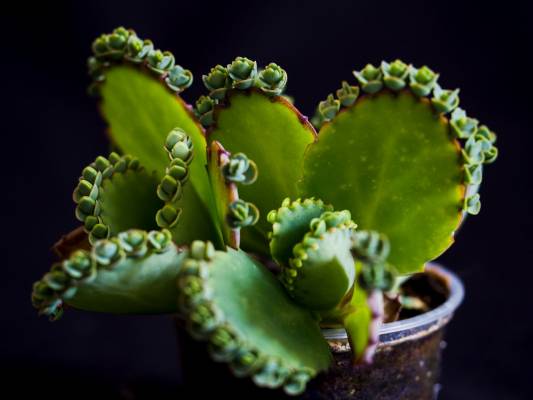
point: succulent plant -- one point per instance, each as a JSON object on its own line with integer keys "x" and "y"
{"x": 165, "y": 229}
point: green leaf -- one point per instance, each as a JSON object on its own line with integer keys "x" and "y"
{"x": 141, "y": 112}
{"x": 290, "y": 223}
{"x": 322, "y": 269}
{"x": 134, "y": 286}
{"x": 129, "y": 200}
{"x": 132, "y": 273}
{"x": 240, "y": 308}
{"x": 273, "y": 134}
{"x": 392, "y": 161}
{"x": 114, "y": 194}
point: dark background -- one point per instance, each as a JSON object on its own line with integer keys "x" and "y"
{"x": 51, "y": 129}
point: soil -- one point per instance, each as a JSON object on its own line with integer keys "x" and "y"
{"x": 429, "y": 287}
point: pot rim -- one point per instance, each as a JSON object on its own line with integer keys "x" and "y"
{"x": 418, "y": 326}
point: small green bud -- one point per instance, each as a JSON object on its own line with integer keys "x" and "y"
{"x": 118, "y": 39}
{"x": 85, "y": 188}
{"x": 329, "y": 108}
{"x": 107, "y": 252}
{"x": 121, "y": 31}
{"x": 334, "y": 219}
{"x": 169, "y": 189}
{"x": 90, "y": 222}
{"x": 223, "y": 344}
{"x": 202, "y": 320}
{"x": 422, "y": 80}
{"x": 137, "y": 49}
{"x": 100, "y": 45}
{"x": 134, "y": 47}
{"x": 57, "y": 280}
{"x": 272, "y": 80}
{"x": 487, "y": 139}
{"x": 445, "y": 101}
{"x": 179, "y": 170}
{"x": 217, "y": 82}
{"x": 395, "y": 74}
{"x": 473, "y": 174}
{"x": 160, "y": 240}
{"x": 244, "y": 362}
{"x": 133, "y": 242}
{"x": 179, "y": 145}
{"x": 87, "y": 205}
{"x": 181, "y": 150}
{"x": 179, "y": 79}
{"x": 95, "y": 68}
{"x": 98, "y": 231}
{"x": 191, "y": 286}
{"x": 205, "y": 104}
{"x": 242, "y": 214}
{"x": 204, "y": 110}
{"x": 243, "y": 72}
{"x": 101, "y": 163}
{"x": 490, "y": 155}
{"x": 370, "y": 79}
{"x": 473, "y": 151}
{"x": 462, "y": 126}
{"x": 91, "y": 175}
{"x": 79, "y": 261}
{"x": 347, "y": 94}
{"x": 159, "y": 61}
{"x": 41, "y": 292}
{"x": 53, "y": 309}
{"x": 271, "y": 375}
{"x": 472, "y": 204}
{"x": 202, "y": 250}
{"x": 485, "y": 132}
{"x": 297, "y": 382}
{"x": 240, "y": 169}
{"x": 168, "y": 216}
{"x": 371, "y": 246}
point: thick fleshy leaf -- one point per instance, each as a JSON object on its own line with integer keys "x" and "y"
{"x": 134, "y": 286}
{"x": 391, "y": 160}
{"x": 290, "y": 223}
{"x": 322, "y": 269}
{"x": 129, "y": 200}
{"x": 237, "y": 305}
{"x": 141, "y": 112}
{"x": 132, "y": 273}
{"x": 114, "y": 194}
{"x": 272, "y": 133}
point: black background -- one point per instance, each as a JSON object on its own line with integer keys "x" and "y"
{"x": 51, "y": 129}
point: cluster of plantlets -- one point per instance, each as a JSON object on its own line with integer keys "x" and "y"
{"x": 163, "y": 215}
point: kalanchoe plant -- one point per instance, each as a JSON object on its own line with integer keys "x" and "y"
{"x": 165, "y": 230}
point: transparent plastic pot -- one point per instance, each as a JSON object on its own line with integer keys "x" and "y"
{"x": 406, "y": 365}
